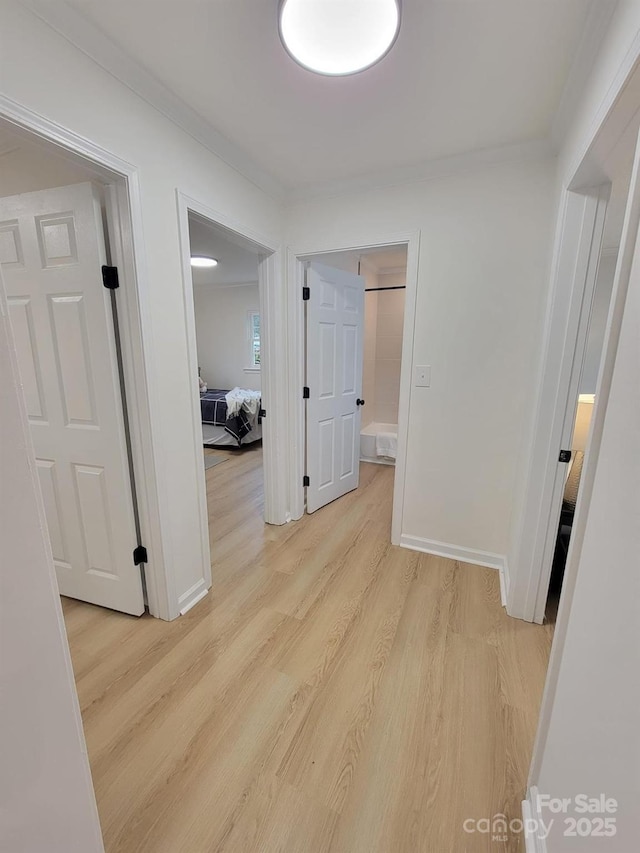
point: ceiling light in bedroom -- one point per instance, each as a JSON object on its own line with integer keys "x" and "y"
{"x": 203, "y": 261}
{"x": 338, "y": 37}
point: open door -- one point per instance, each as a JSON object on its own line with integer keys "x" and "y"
{"x": 52, "y": 250}
{"x": 335, "y": 321}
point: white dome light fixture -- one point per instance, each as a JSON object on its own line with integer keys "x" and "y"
{"x": 203, "y": 261}
{"x": 339, "y": 37}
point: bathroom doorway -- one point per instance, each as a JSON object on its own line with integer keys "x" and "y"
{"x": 367, "y": 346}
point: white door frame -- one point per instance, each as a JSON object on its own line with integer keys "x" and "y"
{"x": 575, "y": 271}
{"x": 297, "y": 355}
{"x": 527, "y": 593}
{"x": 628, "y": 245}
{"x": 127, "y": 248}
{"x": 272, "y": 368}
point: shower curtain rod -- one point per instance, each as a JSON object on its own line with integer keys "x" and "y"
{"x": 399, "y": 287}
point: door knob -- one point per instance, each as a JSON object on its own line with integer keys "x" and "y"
{"x": 359, "y": 402}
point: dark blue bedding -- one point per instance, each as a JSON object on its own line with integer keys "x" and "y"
{"x": 213, "y": 406}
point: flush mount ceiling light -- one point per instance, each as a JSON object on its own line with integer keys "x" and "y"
{"x": 203, "y": 261}
{"x": 338, "y": 37}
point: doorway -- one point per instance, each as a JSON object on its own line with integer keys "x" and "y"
{"x": 256, "y": 366}
{"x": 57, "y": 227}
{"x": 228, "y": 334}
{"x": 363, "y": 361}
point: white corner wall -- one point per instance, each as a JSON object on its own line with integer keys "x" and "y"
{"x": 44, "y": 72}
{"x": 592, "y": 742}
{"x": 482, "y": 280}
{"x": 598, "y": 323}
{"x": 222, "y": 333}
{"x": 46, "y": 796}
{"x": 588, "y": 738}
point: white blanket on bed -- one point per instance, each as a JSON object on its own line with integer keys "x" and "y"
{"x": 242, "y": 398}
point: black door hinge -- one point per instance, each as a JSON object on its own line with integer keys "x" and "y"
{"x": 305, "y": 392}
{"x": 306, "y": 294}
{"x": 565, "y": 456}
{"x": 140, "y": 555}
{"x": 305, "y": 480}
{"x": 110, "y": 277}
{"x": 262, "y": 413}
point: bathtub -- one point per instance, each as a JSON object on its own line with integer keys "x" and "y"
{"x": 368, "y": 443}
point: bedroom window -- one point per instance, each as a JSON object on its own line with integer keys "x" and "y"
{"x": 254, "y": 340}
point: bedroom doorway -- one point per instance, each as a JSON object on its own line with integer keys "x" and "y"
{"x": 226, "y": 304}
{"x": 231, "y": 289}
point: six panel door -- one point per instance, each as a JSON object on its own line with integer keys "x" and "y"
{"x": 51, "y": 249}
{"x": 335, "y": 322}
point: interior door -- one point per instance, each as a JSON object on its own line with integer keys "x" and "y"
{"x": 335, "y": 322}
{"x": 51, "y": 250}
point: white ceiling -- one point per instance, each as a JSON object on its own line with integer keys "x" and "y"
{"x": 237, "y": 263}
{"x": 463, "y": 75}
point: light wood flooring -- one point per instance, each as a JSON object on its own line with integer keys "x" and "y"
{"x": 331, "y": 693}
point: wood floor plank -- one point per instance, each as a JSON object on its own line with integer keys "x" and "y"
{"x": 331, "y": 694}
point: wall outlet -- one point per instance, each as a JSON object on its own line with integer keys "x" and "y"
{"x": 423, "y": 376}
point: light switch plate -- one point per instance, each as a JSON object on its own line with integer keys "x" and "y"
{"x": 423, "y": 376}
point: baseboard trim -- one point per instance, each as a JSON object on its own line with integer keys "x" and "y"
{"x": 504, "y": 582}
{"x": 192, "y": 596}
{"x": 453, "y": 552}
{"x": 377, "y": 460}
{"x": 534, "y": 843}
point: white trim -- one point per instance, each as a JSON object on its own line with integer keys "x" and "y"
{"x": 95, "y": 44}
{"x": 297, "y": 357}
{"x": 275, "y": 392}
{"x": 578, "y": 241}
{"x": 628, "y": 245}
{"x": 534, "y": 843}
{"x": 453, "y": 552}
{"x": 616, "y": 91}
{"x": 253, "y": 312}
{"x": 273, "y": 354}
{"x": 504, "y": 583}
{"x": 138, "y": 347}
{"x": 192, "y": 596}
{"x": 429, "y": 170}
{"x": 406, "y": 374}
{"x": 296, "y": 380}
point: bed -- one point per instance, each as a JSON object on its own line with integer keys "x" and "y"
{"x": 220, "y": 429}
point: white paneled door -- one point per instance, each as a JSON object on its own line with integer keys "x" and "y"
{"x": 335, "y": 322}
{"x": 52, "y": 249}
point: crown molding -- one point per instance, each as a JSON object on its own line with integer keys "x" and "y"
{"x": 426, "y": 171}
{"x": 95, "y": 44}
{"x": 595, "y": 28}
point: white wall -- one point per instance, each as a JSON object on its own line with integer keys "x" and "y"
{"x": 483, "y": 275}
{"x": 34, "y": 167}
{"x": 222, "y": 331}
{"x": 46, "y": 73}
{"x": 598, "y": 322}
{"x": 589, "y": 739}
{"x": 46, "y": 796}
{"x": 390, "y": 316}
{"x": 592, "y": 742}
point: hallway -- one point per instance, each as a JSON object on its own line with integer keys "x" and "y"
{"x": 331, "y": 693}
